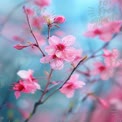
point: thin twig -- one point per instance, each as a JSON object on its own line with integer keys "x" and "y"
{"x": 31, "y": 31}
{"x": 66, "y": 79}
{"x": 39, "y": 102}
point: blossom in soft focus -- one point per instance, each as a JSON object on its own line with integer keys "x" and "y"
{"x": 20, "y": 46}
{"x": 29, "y": 11}
{"x": 103, "y": 70}
{"x": 111, "y": 57}
{"x": 71, "y": 85}
{"x": 42, "y": 3}
{"x": 106, "y": 31}
{"x": 36, "y": 22}
{"x": 18, "y": 38}
{"x": 60, "y": 51}
{"x": 59, "y": 19}
{"x": 62, "y": 48}
{"x": 27, "y": 84}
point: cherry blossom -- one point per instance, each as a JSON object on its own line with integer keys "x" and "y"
{"x": 28, "y": 84}
{"x": 36, "y": 22}
{"x": 106, "y": 31}
{"x": 71, "y": 85}
{"x": 62, "y": 48}
{"x": 103, "y": 70}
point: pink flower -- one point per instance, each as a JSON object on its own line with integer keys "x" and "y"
{"x": 26, "y": 75}
{"x": 71, "y": 85}
{"x": 29, "y": 11}
{"x": 59, "y": 19}
{"x": 103, "y": 70}
{"x": 111, "y": 57}
{"x": 20, "y": 46}
{"x": 55, "y": 62}
{"x": 106, "y": 31}
{"x": 42, "y": 3}
{"x": 19, "y": 39}
{"x": 28, "y": 84}
{"x": 37, "y": 21}
{"x": 62, "y": 48}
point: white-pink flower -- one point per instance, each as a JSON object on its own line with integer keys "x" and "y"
{"x": 71, "y": 85}
{"x": 62, "y": 47}
{"x": 27, "y": 84}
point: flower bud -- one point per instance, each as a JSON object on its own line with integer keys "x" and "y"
{"x": 59, "y": 19}
{"x": 19, "y": 46}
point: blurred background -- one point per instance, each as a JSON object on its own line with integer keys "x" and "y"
{"x": 58, "y": 108}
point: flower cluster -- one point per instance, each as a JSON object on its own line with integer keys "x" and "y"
{"x": 27, "y": 84}
{"x": 111, "y": 62}
{"x": 60, "y": 51}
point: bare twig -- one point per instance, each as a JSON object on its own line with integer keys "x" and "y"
{"x": 31, "y": 31}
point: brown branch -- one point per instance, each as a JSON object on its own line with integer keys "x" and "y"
{"x": 31, "y": 31}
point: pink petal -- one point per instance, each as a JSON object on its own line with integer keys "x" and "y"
{"x": 25, "y": 74}
{"x": 17, "y": 94}
{"x": 54, "y": 40}
{"x": 70, "y": 54}
{"x": 68, "y": 92}
{"x": 68, "y": 40}
{"x": 57, "y": 64}
{"x": 45, "y": 59}
{"x": 50, "y": 49}
{"x": 106, "y": 37}
{"x": 59, "y": 54}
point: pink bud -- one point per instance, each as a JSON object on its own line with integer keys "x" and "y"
{"x": 19, "y": 46}
{"x": 59, "y": 19}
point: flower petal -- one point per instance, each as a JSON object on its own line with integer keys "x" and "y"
{"x": 68, "y": 40}
{"x": 53, "y": 40}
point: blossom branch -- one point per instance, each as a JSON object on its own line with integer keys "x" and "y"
{"x": 31, "y": 31}
{"x": 66, "y": 79}
{"x": 39, "y": 102}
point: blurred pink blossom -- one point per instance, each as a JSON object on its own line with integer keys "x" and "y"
{"x": 103, "y": 70}
{"x": 71, "y": 85}
{"x": 106, "y": 31}
{"x": 28, "y": 84}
